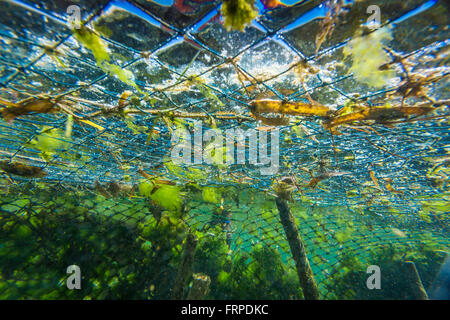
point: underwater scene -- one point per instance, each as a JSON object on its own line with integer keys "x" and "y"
{"x": 224, "y": 150}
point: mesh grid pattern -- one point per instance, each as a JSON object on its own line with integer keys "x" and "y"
{"x": 169, "y": 53}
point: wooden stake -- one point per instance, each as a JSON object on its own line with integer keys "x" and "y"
{"x": 413, "y": 281}
{"x": 305, "y": 275}
{"x": 185, "y": 269}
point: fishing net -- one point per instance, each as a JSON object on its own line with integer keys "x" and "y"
{"x": 90, "y": 108}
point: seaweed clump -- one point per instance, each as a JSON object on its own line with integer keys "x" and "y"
{"x": 368, "y": 56}
{"x": 44, "y": 231}
{"x": 238, "y": 13}
{"x": 99, "y": 49}
{"x": 257, "y": 274}
{"x": 169, "y": 197}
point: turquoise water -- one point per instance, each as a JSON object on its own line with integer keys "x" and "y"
{"x": 128, "y": 127}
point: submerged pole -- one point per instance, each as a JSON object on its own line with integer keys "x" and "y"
{"x": 413, "y": 280}
{"x": 305, "y": 275}
{"x": 185, "y": 268}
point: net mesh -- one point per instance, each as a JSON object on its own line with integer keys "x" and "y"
{"x": 167, "y": 67}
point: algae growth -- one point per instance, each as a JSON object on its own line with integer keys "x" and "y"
{"x": 137, "y": 148}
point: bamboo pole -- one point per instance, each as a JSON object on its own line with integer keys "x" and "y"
{"x": 200, "y": 287}
{"x": 185, "y": 268}
{"x": 305, "y": 275}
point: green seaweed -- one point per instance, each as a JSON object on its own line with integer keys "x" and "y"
{"x": 238, "y": 13}
{"x": 71, "y": 228}
{"x": 50, "y": 141}
{"x": 211, "y": 194}
{"x": 99, "y": 48}
{"x": 368, "y": 56}
{"x": 167, "y": 196}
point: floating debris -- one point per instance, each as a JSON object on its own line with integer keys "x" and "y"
{"x": 27, "y": 106}
{"x": 288, "y": 108}
{"x": 194, "y": 142}
{"x": 22, "y": 169}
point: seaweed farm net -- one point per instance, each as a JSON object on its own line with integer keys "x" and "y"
{"x": 92, "y": 95}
